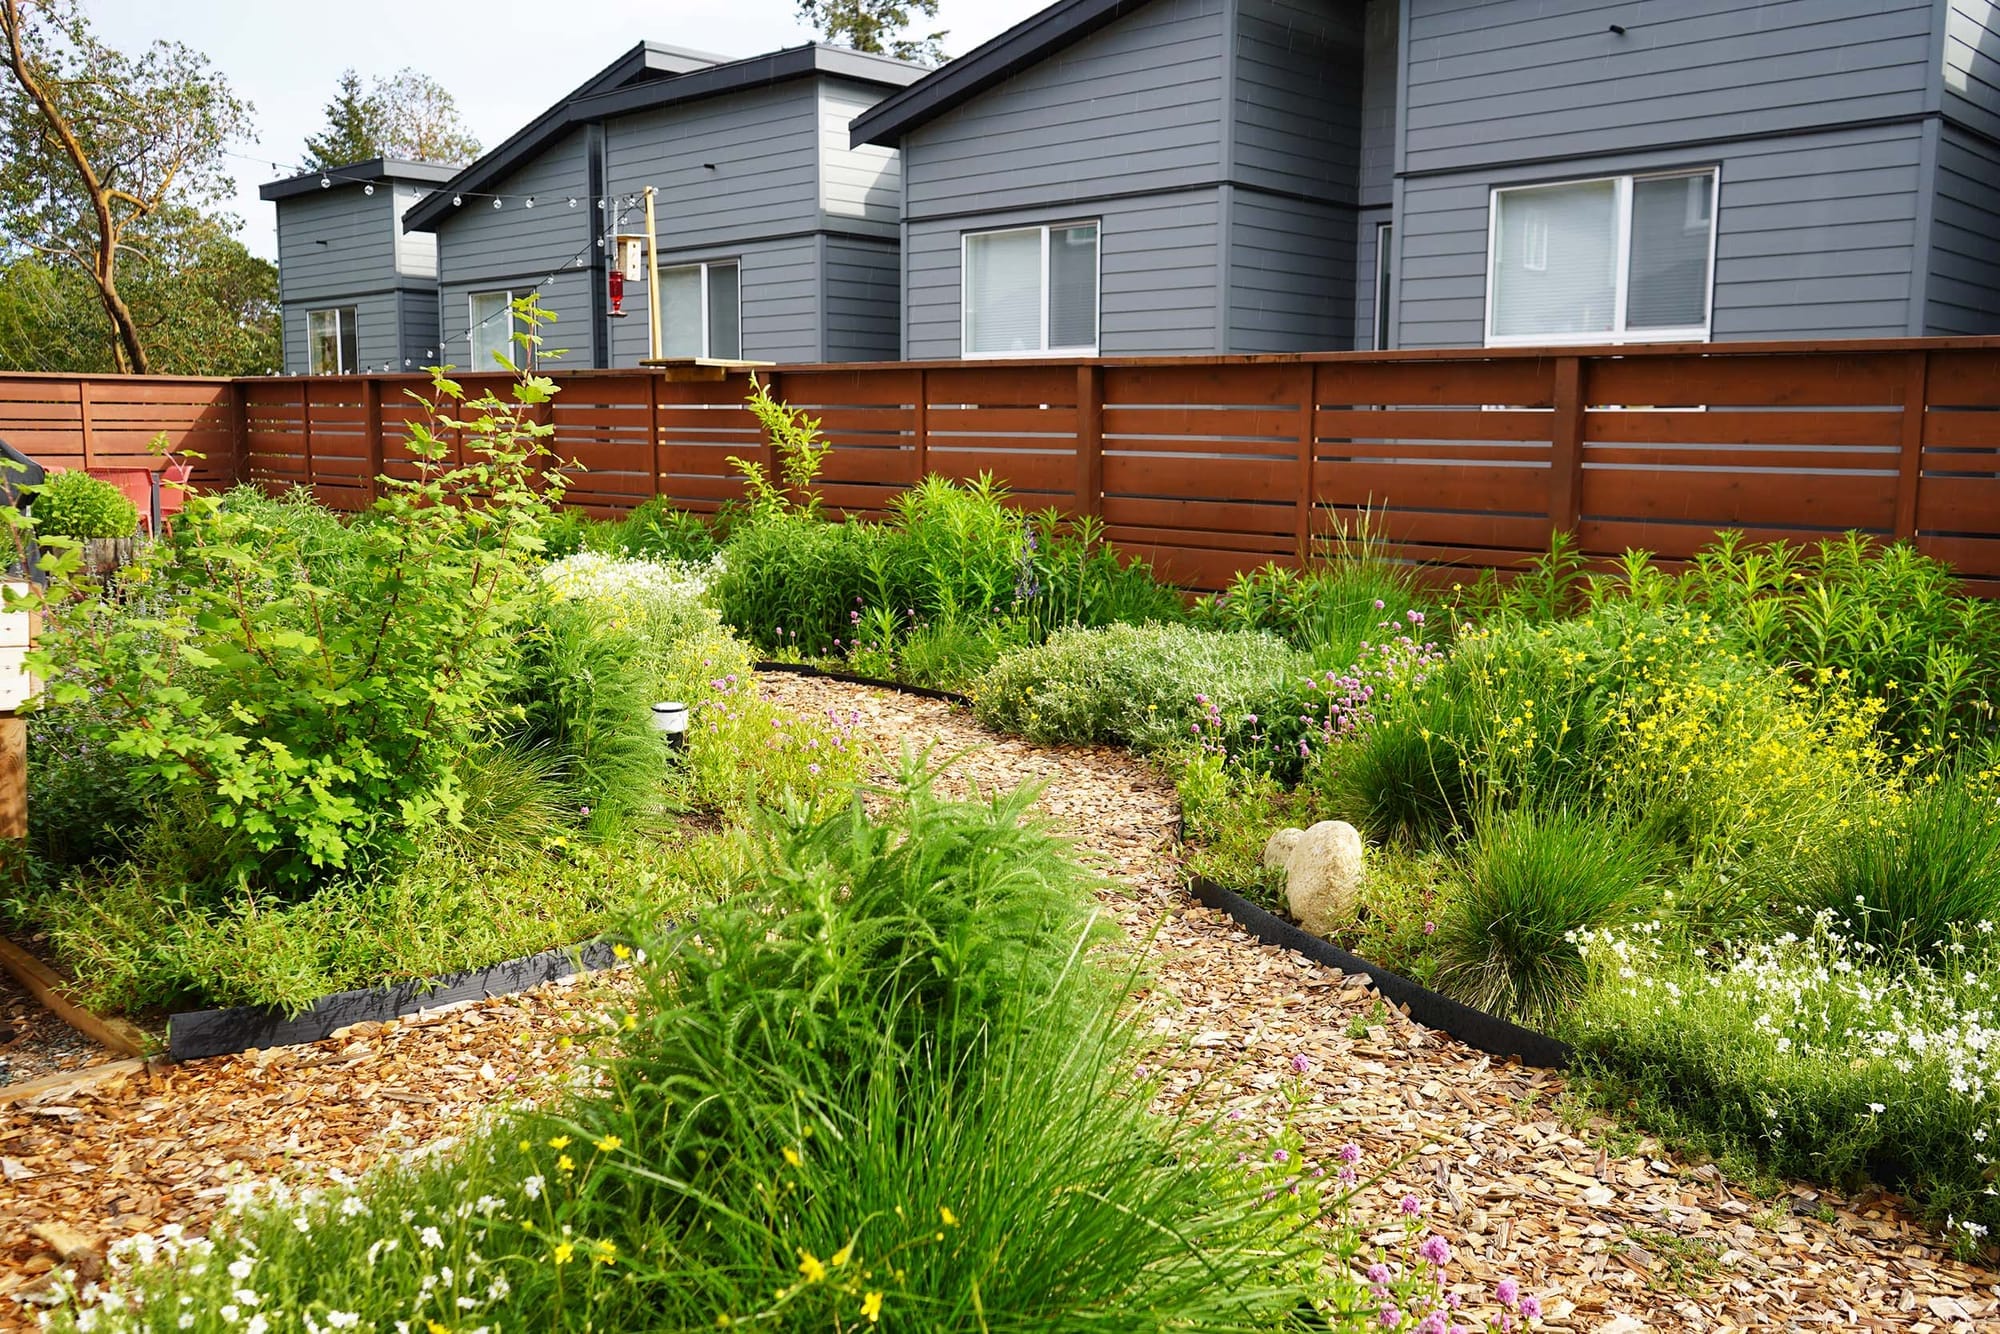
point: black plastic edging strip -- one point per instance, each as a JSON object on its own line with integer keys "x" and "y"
{"x": 921, "y": 692}
{"x": 199, "y": 1033}
{"x": 1475, "y": 1028}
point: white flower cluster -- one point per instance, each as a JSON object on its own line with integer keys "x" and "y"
{"x": 597, "y": 577}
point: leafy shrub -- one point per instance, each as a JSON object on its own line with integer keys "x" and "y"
{"x": 1069, "y": 576}
{"x": 1331, "y": 609}
{"x": 84, "y": 800}
{"x": 318, "y": 724}
{"x": 1907, "y": 878}
{"x": 1530, "y": 880}
{"x": 75, "y": 504}
{"x": 1146, "y": 686}
{"x": 658, "y": 531}
{"x": 797, "y": 583}
{"x": 1813, "y": 1056}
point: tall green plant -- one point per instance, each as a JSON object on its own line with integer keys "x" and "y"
{"x": 317, "y": 724}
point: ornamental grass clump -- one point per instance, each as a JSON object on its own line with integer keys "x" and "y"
{"x": 1530, "y": 880}
{"x": 891, "y": 1084}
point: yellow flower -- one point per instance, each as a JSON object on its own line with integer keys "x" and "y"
{"x": 792, "y": 1157}
{"x": 565, "y": 1164}
{"x": 609, "y": 1144}
{"x": 604, "y": 1252}
{"x": 949, "y": 1218}
{"x": 559, "y": 1142}
{"x": 631, "y": 1022}
{"x": 871, "y": 1307}
{"x": 843, "y": 1255}
{"x": 621, "y": 951}
{"x": 433, "y": 1327}
{"x": 811, "y": 1266}
{"x": 563, "y": 1252}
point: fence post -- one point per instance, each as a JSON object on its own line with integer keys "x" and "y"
{"x": 1090, "y": 439}
{"x": 1566, "y": 448}
{"x": 1910, "y": 460}
{"x": 371, "y": 428}
{"x": 238, "y": 471}
{"x": 1308, "y": 445}
{"x": 653, "y": 433}
{"x": 306, "y": 433}
{"x": 83, "y": 421}
{"x": 920, "y": 426}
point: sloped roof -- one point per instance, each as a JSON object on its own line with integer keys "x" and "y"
{"x": 645, "y": 86}
{"x": 1024, "y": 44}
{"x": 376, "y": 170}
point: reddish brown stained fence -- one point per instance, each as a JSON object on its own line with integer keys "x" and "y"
{"x": 110, "y": 421}
{"x": 1211, "y": 465}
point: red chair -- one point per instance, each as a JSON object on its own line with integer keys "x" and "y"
{"x": 173, "y": 491}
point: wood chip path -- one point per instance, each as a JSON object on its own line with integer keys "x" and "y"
{"x": 1613, "y": 1243}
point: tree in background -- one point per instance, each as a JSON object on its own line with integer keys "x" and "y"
{"x": 876, "y": 25}
{"x": 349, "y": 135}
{"x": 204, "y": 305}
{"x": 407, "y": 115}
{"x": 94, "y": 142}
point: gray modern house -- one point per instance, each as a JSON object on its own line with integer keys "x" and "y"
{"x": 358, "y": 292}
{"x": 1126, "y": 177}
{"x": 777, "y": 237}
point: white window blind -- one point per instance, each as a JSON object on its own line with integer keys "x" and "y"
{"x": 1625, "y": 258}
{"x": 492, "y": 315}
{"x": 330, "y": 341}
{"x": 701, "y": 311}
{"x": 1031, "y": 290}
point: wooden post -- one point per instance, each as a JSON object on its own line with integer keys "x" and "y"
{"x": 1566, "y": 448}
{"x": 238, "y": 470}
{"x": 653, "y": 434}
{"x": 1308, "y": 446}
{"x": 13, "y": 783}
{"x": 371, "y": 427}
{"x": 83, "y": 421}
{"x": 1910, "y": 460}
{"x": 1090, "y": 439}
{"x": 306, "y": 432}
{"x": 920, "y": 426}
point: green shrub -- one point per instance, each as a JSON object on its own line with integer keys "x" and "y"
{"x": 75, "y": 504}
{"x": 1070, "y": 577}
{"x": 84, "y": 799}
{"x": 657, "y": 531}
{"x": 1529, "y": 881}
{"x": 318, "y": 724}
{"x": 1909, "y": 877}
{"x": 1330, "y": 609}
{"x": 1146, "y": 686}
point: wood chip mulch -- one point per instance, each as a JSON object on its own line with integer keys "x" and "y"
{"x": 1521, "y": 1185}
{"x": 34, "y": 1043}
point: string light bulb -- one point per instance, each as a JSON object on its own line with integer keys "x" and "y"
{"x": 530, "y": 203}
{"x": 572, "y": 201}
{"x": 324, "y": 183}
{"x": 456, "y": 201}
{"x": 496, "y": 202}
{"x": 368, "y": 189}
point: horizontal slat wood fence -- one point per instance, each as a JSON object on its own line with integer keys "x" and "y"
{"x": 1207, "y": 466}
{"x": 111, "y": 421}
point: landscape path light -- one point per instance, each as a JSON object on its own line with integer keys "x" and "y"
{"x": 671, "y": 717}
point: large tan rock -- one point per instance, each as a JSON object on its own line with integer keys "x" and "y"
{"x": 1323, "y": 874}
{"x": 1279, "y": 849}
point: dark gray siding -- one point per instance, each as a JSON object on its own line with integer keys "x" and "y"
{"x": 1381, "y": 25}
{"x": 861, "y": 189}
{"x": 419, "y": 317}
{"x": 484, "y": 249}
{"x": 336, "y": 241}
{"x": 1291, "y": 275}
{"x": 1136, "y": 106}
{"x": 779, "y": 291}
{"x": 1964, "y": 291}
{"x": 727, "y": 169}
{"x": 1296, "y": 122}
{"x": 1972, "y": 65}
{"x": 1508, "y": 80}
{"x": 863, "y": 294}
{"x": 1817, "y": 237}
{"x": 1158, "y": 256}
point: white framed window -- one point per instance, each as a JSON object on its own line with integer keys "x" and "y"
{"x": 1385, "y": 272}
{"x": 330, "y": 341}
{"x": 1616, "y": 259}
{"x": 492, "y": 329}
{"x": 701, "y": 311}
{"x": 1030, "y": 291}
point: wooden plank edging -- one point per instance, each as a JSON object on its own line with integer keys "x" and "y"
{"x": 116, "y": 1034}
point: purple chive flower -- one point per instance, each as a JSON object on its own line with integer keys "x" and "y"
{"x": 1390, "y": 1317}
{"x": 1301, "y": 1063}
{"x": 1347, "y": 1176}
{"x": 1434, "y": 1323}
{"x": 1506, "y": 1292}
{"x": 1437, "y": 1250}
{"x": 1280, "y": 1156}
{"x": 1350, "y": 1153}
{"x": 1412, "y": 1205}
{"x": 1531, "y": 1307}
{"x": 1430, "y": 928}
{"x": 1378, "y": 1272}
{"x": 1380, "y": 604}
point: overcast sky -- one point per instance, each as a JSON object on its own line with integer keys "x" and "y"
{"x": 505, "y": 60}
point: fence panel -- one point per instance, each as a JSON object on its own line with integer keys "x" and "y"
{"x": 1206, "y": 465}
